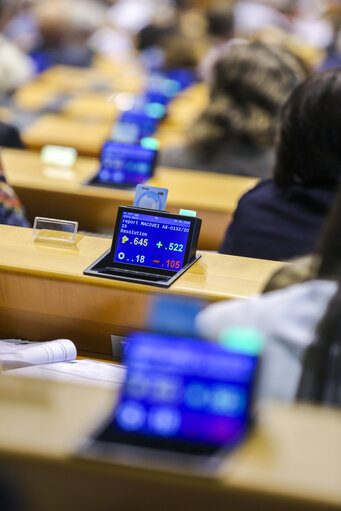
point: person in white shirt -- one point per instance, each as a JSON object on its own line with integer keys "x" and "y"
{"x": 289, "y": 318}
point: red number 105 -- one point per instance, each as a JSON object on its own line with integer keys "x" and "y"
{"x": 173, "y": 264}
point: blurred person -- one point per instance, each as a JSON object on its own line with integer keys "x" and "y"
{"x": 292, "y": 16}
{"x": 10, "y": 136}
{"x": 299, "y": 322}
{"x": 65, "y": 28}
{"x": 150, "y": 42}
{"x": 311, "y": 25}
{"x": 281, "y": 217}
{"x": 180, "y": 52}
{"x": 11, "y": 209}
{"x": 16, "y": 68}
{"x": 134, "y": 15}
{"x": 134, "y": 24}
{"x": 252, "y": 16}
{"x": 333, "y": 58}
{"x": 220, "y": 30}
{"x": 20, "y": 24}
{"x": 235, "y": 133}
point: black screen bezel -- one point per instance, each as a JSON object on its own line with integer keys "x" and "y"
{"x": 126, "y": 182}
{"x": 112, "y": 434}
{"x": 150, "y": 269}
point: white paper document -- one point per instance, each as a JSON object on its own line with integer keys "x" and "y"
{"x": 16, "y": 353}
{"x": 55, "y": 360}
{"x": 86, "y": 371}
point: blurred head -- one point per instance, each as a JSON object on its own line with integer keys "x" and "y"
{"x": 180, "y": 52}
{"x": 220, "y": 21}
{"x": 250, "y": 83}
{"x": 309, "y": 144}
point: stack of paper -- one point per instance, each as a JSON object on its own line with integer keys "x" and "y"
{"x": 55, "y": 360}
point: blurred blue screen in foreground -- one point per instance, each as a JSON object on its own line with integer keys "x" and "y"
{"x": 185, "y": 389}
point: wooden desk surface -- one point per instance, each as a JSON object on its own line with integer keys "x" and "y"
{"x": 290, "y": 462}
{"x": 35, "y": 95}
{"x": 119, "y": 77}
{"x": 99, "y": 106}
{"x": 87, "y": 88}
{"x": 43, "y": 292}
{"x": 48, "y": 192}
{"x": 87, "y": 136}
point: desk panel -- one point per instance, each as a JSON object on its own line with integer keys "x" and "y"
{"x": 87, "y": 136}
{"x": 280, "y": 468}
{"x": 44, "y": 294}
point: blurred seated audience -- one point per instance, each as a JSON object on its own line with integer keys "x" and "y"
{"x": 281, "y": 217}
{"x": 333, "y": 58}
{"x": 65, "y": 28}
{"x": 11, "y": 209}
{"x": 150, "y": 41}
{"x": 180, "y": 52}
{"x": 16, "y": 67}
{"x": 291, "y": 319}
{"x": 252, "y": 16}
{"x": 220, "y": 31}
{"x": 10, "y": 136}
{"x": 235, "y": 133}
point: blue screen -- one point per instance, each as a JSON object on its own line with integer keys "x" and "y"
{"x": 125, "y": 163}
{"x": 152, "y": 240}
{"x": 185, "y": 389}
{"x": 145, "y": 125}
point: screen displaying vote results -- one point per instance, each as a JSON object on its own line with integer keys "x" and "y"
{"x": 152, "y": 240}
{"x": 185, "y": 389}
{"x": 125, "y": 164}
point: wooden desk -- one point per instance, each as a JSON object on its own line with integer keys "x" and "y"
{"x": 290, "y": 463}
{"x": 44, "y": 294}
{"x": 87, "y": 88}
{"x": 35, "y": 96}
{"x": 127, "y": 77}
{"x": 97, "y": 106}
{"x": 56, "y": 195}
{"x": 87, "y": 136}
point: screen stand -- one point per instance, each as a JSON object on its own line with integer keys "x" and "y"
{"x": 102, "y": 267}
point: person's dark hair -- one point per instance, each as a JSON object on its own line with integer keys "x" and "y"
{"x": 220, "y": 21}
{"x": 153, "y": 35}
{"x": 250, "y": 83}
{"x": 321, "y": 375}
{"x": 329, "y": 246}
{"x": 10, "y": 136}
{"x": 309, "y": 142}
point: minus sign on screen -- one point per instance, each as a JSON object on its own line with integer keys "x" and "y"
{"x": 155, "y": 261}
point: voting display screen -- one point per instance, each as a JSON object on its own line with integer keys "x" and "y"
{"x": 152, "y": 240}
{"x": 185, "y": 392}
{"x": 126, "y": 164}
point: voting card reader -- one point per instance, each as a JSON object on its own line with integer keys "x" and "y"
{"x": 149, "y": 246}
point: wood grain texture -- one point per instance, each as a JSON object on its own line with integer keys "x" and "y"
{"x": 47, "y": 192}
{"x": 44, "y": 294}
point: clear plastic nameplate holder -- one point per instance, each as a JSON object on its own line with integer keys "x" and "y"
{"x": 52, "y": 230}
